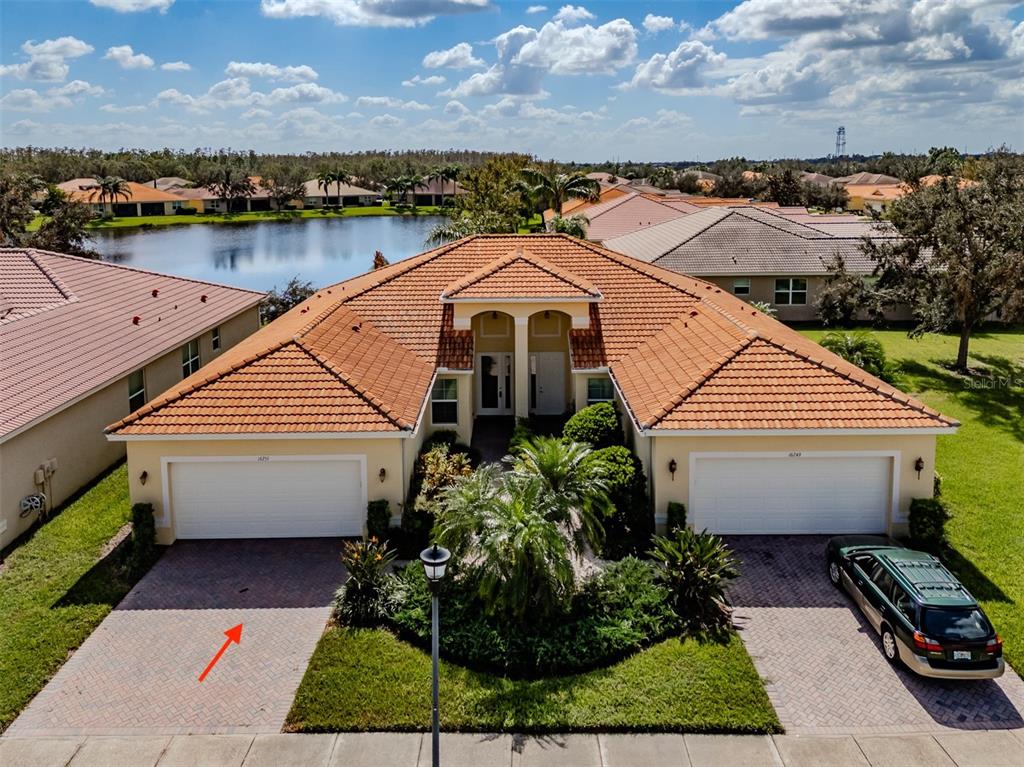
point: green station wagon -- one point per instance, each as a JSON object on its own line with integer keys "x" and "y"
{"x": 927, "y": 620}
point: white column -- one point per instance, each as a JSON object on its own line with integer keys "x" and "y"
{"x": 521, "y": 360}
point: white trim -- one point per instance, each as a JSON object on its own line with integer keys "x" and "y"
{"x": 478, "y": 392}
{"x": 536, "y": 300}
{"x": 454, "y": 372}
{"x": 397, "y": 434}
{"x": 894, "y": 468}
{"x": 520, "y": 321}
{"x": 166, "y": 460}
{"x": 590, "y": 371}
{"x": 111, "y": 381}
{"x": 891, "y": 432}
{"x": 581, "y": 321}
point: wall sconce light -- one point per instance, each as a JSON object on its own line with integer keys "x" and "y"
{"x": 919, "y": 466}
{"x": 382, "y": 474}
{"x": 547, "y": 314}
{"x": 672, "y": 466}
{"x": 143, "y": 477}
{"x": 494, "y": 315}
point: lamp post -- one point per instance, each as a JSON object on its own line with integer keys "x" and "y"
{"x": 435, "y": 560}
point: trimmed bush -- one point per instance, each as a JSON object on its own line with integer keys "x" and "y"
{"x": 363, "y": 598}
{"x": 629, "y": 527}
{"x": 676, "y": 516}
{"x": 143, "y": 546}
{"x": 598, "y": 425}
{"x": 928, "y": 518}
{"x": 615, "y": 614}
{"x": 440, "y": 462}
{"x": 378, "y": 519}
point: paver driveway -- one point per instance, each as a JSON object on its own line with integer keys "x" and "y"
{"x": 138, "y": 672}
{"x": 821, "y": 660}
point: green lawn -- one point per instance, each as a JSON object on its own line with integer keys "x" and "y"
{"x": 54, "y": 591}
{"x": 128, "y": 222}
{"x": 982, "y": 466}
{"x": 369, "y": 680}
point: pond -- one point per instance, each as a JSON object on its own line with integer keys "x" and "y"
{"x": 263, "y": 255}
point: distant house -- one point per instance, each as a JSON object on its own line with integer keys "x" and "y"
{"x": 757, "y": 253}
{"x": 876, "y": 198}
{"x": 142, "y": 200}
{"x": 818, "y": 179}
{"x": 580, "y": 205}
{"x": 316, "y": 197}
{"x": 629, "y": 213}
{"x": 434, "y": 192}
{"x": 867, "y": 179}
{"x": 205, "y": 200}
{"x": 84, "y": 342}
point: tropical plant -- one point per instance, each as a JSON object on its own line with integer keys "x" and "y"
{"x": 697, "y": 569}
{"x": 278, "y": 302}
{"x": 765, "y": 308}
{"x": 862, "y": 349}
{"x": 110, "y": 189}
{"x": 324, "y": 179}
{"x": 362, "y": 599}
{"x": 628, "y": 523}
{"x": 598, "y": 425}
{"x": 341, "y": 178}
{"x": 555, "y": 189}
{"x": 449, "y": 173}
{"x": 574, "y": 226}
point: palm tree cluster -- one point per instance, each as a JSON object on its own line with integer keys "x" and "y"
{"x": 337, "y": 175}
{"x": 109, "y": 189}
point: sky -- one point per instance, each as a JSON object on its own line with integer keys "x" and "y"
{"x": 628, "y": 80}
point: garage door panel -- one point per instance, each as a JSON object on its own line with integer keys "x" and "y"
{"x": 279, "y": 498}
{"x": 790, "y": 494}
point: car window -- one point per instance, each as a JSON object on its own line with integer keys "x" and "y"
{"x": 955, "y": 624}
{"x": 903, "y": 601}
{"x": 864, "y": 562}
{"x": 881, "y": 578}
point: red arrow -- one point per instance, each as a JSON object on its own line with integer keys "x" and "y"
{"x": 233, "y": 634}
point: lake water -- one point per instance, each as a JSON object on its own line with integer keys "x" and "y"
{"x": 267, "y": 254}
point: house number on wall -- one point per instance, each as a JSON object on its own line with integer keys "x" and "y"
{"x": 795, "y": 454}
{"x": 263, "y": 458}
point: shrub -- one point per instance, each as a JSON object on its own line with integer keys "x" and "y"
{"x": 676, "y": 516}
{"x": 441, "y": 461}
{"x": 863, "y": 350}
{"x": 521, "y": 434}
{"x": 598, "y": 425}
{"x": 765, "y": 308}
{"x": 362, "y": 599}
{"x": 928, "y": 517}
{"x": 378, "y": 519}
{"x": 629, "y": 526}
{"x": 697, "y": 569}
{"x": 616, "y": 613}
{"x": 937, "y": 485}
{"x": 143, "y": 547}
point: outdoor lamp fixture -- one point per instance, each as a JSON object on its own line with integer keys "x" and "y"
{"x": 435, "y": 561}
{"x": 919, "y": 466}
{"x": 382, "y": 474}
{"x": 672, "y": 466}
{"x": 143, "y": 477}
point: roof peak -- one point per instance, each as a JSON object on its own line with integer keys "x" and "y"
{"x": 539, "y": 279}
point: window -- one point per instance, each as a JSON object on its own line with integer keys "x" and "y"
{"x": 962, "y": 625}
{"x": 790, "y": 290}
{"x": 216, "y": 338}
{"x": 444, "y": 401}
{"x": 741, "y": 286}
{"x": 903, "y": 602}
{"x": 136, "y": 390}
{"x": 881, "y": 578}
{"x": 599, "y": 390}
{"x": 190, "y": 358}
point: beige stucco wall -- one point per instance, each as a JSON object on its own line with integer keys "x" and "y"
{"x": 908, "y": 447}
{"x": 464, "y": 427}
{"x": 74, "y": 436}
{"x": 394, "y": 455}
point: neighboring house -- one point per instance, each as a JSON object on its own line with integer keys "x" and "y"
{"x": 776, "y": 256}
{"x": 628, "y": 213}
{"x": 205, "y": 200}
{"x": 316, "y": 197}
{"x": 867, "y": 179}
{"x": 85, "y": 342}
{"x": 754, "y": 427}
{"x": 142, "y": 199}
{"x": 434, "y": 191}
{"x": 818, "y": 179}
{"x": 580, "y": 205}
{"x": 874, "y": 198}
{"x": 169, "y": 183}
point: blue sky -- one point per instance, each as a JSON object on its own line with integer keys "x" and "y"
{"x": 599, "y": 80}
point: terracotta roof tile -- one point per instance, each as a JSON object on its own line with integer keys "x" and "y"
{"x": 520, "y": 274}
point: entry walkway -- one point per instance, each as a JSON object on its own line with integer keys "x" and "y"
{"x": 1003, "y": 748}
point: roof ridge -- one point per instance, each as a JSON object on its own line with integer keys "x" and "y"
{"x": 405, "y": 265}
{"x": 614, "y": 202}
{"x": 721, "y": 213}
{"x": 520, "y": 254}
{"x": 32, "y": 255}
{"x": 743, "y": 211}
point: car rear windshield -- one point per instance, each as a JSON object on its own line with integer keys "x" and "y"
{"x": 955, "y": 624}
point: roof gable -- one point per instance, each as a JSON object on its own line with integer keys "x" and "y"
{"x": 520, "y": 275}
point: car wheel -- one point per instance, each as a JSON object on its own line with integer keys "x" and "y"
{"x": 834, "y": 574}
{"x": 890, "y": 648}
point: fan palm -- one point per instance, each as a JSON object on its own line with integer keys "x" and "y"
{"x": 557, "y": 188}
{"x": 324, "y": 179}
{"x": 862, "y": 349}
{"x": 340, "y": 177}
{"x": 449, "y": 173}
{"x": 111, "y": 188}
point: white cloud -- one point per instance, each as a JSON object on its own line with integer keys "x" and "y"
{"x": 457, "y": 57}
{"x": 298, "y": 74}
{"x": 682, "y": 69}
{"x": 63, "y": 47}
{"x": 655, "y": 24}
{"x": 371, "y": 13}
{"x": 454, "y": 107}
{"x": 256, "y": 113}
{"x": 46, "y": 60}
{"x": 388, "y": 102}
{"x": 666, "y": 120}
{"x": 126, "y": 58}
{"x": 31, "y": 100}
{"x": 536, "y": 9}
{"x": 302, "y": 93}
{"x": 114, "y": 109}
{"x": 386, "y": 121}
{"x": 570, "y": 14}
{"x": 176, "y": 66}
{"x": 417, "y": 80}
{"x": 133, "y": 6}
{"x": 237, "y": 92}
{"x": 77, "y": 88}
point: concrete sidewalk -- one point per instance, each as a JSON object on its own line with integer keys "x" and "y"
{"x": 990, "y": 748}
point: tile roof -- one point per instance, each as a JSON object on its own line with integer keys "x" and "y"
{"x": 71, "y": 330}
{"x": 748, "y": 241}
{"x": 873, "y": 179}
{"x": 517, "y": 275}
{"x": 87, "y": 190}
{"x": 684, "y": 353}
{"x": 314, "y": 189}
{"x": 629, "y": 213}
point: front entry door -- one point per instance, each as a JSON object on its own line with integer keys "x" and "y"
{"x": 547, "y": 377}
{"x": 494, "y": 384}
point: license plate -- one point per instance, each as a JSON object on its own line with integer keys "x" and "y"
{"x": 961, "y": 654}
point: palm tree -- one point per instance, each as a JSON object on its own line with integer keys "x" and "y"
{"x": 340, "y": 178}
{"x": 324, "y": 179}
{"x": 413, "y": 182}
{"x": 557, "y": 188}
{"x": 396, "y": 188}
{"x": 862, "y": 349}
{"x": 111, "y": 188}
{"x": 449, "y": 173}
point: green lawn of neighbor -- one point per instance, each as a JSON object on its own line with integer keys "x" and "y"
{"x": 54, "y": 591}
{"x": 367, "y": 679}
{"x": 982, "y": 466}
{"x": 146, "y": 222}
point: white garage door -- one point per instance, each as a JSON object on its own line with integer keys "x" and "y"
{"x": 267, "y": 497}
{"x": 791, "y": 494}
